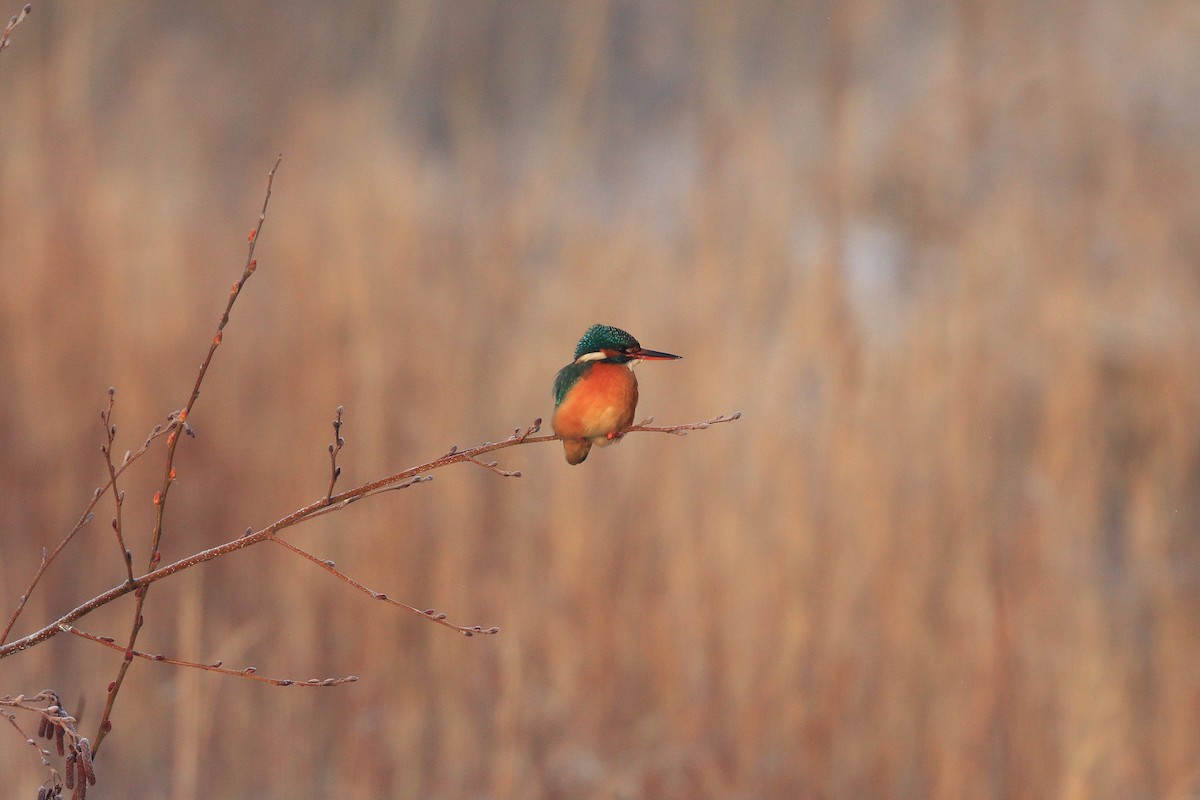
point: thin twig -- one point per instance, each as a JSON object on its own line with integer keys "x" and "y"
{"x": 334, "y": 448}
{"x": 218, "y": 667}
{"x": 494, "y": 467}
{"x": 16, "y": 20}
{"x": 43, "y": 753}
{"x": 682, "y": 430}
{"x": 430, "y": 614}
{"x": 110, "y": 432}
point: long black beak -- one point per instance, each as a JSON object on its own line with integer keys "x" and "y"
{"x": 651, "y": 355}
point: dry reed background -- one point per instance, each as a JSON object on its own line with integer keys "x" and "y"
{"x": 943, "y": 256}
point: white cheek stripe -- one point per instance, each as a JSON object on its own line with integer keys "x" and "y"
{"x": 601, "y": 356}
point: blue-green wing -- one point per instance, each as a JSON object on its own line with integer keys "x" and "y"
{"x": 567, "y": 376}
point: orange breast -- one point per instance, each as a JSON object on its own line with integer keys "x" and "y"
{"x": 601, "y": 402}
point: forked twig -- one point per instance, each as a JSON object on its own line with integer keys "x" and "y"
{"x": 86, "y": 517}
{"x": 160, "y": 497}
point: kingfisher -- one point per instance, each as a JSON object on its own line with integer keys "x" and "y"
{"x": 595, "y": 396}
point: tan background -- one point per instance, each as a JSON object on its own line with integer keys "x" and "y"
{"x": 944, "y": 257}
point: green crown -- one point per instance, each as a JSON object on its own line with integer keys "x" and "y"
{"x": 604, "y": 337}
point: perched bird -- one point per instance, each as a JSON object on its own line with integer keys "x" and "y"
{"x": 595, "y": 396}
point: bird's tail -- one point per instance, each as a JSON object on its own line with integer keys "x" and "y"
{"x": 576, "y": 450}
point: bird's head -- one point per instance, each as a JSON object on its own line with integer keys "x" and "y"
{"x": 615, "y": 346}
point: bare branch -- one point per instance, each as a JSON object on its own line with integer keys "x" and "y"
{"x": 110, "y": 432}
{"x": 430, "y": 614}
{"x": 84, "y": 519}
{"x": 13, "y": 22}
{"x": 334, "y": 448}
{"x": 218, "y": 667}
{"x": 682, "y": 430}
{"x": 494, "y": 467}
